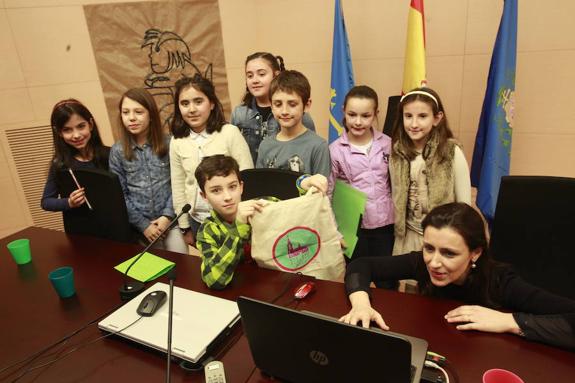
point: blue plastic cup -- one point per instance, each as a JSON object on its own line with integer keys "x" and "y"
{"x": 63, "y": 281}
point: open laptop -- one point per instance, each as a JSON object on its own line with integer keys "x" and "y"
{"x": 199, "y": 321}
{"x": 304, "y": 347}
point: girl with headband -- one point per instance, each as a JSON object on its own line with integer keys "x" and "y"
{"x": 427, "y": 166}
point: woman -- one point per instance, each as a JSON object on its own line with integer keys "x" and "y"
{"x": 455, "y": 264}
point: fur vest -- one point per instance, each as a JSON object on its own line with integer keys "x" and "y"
{"x": 439, "y": 176}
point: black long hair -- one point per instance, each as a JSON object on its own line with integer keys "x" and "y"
{"x": 217, "y": 119}
{"x": 468, "y": 223}
{"x": 64, "y": 153}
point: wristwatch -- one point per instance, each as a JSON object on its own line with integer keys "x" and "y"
{"x": 184, "y": 231}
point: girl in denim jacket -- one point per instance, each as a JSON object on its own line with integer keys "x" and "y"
{"x": 254, "y": 116}
{"x": 142, "y": 163}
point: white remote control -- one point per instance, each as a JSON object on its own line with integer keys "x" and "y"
{"x": 215, "y": 372}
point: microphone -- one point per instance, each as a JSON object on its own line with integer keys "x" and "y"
{"x": 130, "y": 289}
{"x": 171, "y": 278}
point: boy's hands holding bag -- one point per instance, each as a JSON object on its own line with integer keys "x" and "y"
{"x": 247, "y": 209}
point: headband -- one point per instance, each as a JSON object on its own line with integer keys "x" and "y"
{"x": 420, "y": 92}
{"x": 66, "y": 102}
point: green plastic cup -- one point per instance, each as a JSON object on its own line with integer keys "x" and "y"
{"x": 63, "y": 281}
{"x": 20, "y": 250}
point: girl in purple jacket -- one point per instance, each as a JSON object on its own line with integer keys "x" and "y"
{"x": 360, "y": 158}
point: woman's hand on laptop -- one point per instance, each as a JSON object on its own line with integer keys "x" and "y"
{"x": 361, "y": 312}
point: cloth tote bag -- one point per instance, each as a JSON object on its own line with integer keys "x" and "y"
{"x": 298, "y": 235}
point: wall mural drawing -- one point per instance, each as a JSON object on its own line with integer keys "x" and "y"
{"x": 169, "y": 59}
{"x": 163, "y": 42}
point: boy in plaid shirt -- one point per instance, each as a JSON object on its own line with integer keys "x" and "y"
{"x": 221, "y": 236}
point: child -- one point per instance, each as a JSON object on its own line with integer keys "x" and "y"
{"x": 254, "y": 116}
{"x": 199, "y": 130}
{"x": 360, "y": 158}
{"x": 222, "y": 235}
{"x": 294, "y": 147}
{"x": 427, "y": 166}
{"x": 77, "y": 145}
{"x": 142, "y": 163}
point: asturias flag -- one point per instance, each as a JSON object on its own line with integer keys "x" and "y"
{"x": 341, "y": 73}
{"x": 493, "y": 141}
{"x": 414, "y": 65}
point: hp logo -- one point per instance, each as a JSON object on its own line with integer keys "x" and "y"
{"x": 318, "y": 357}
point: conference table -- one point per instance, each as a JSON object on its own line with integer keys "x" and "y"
{"x": 32, "y": 317}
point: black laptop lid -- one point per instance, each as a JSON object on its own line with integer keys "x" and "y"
{"x": 300, "y": 347}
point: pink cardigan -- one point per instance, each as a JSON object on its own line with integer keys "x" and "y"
{"x": 368, "y": 173}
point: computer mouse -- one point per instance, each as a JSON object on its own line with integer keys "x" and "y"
{"x": 151, "y": 303}
{"x": 304, "y": 290}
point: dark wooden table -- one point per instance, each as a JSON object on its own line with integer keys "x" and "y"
{"x": 32, "y": 317}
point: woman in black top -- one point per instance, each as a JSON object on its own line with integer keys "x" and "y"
{"x": 455, "y": 264}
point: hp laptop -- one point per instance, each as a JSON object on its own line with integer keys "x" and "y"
{"x": 304, "y": 347}
{"x": 199, "y": 321}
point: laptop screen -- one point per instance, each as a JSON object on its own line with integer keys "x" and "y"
{"x": 305, "y": 347}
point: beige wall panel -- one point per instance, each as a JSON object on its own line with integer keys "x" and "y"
{"x": 445, "y": 27}
{"x": 467, "y": 141}
{"x": 483, "y": 18}
{"x": 544, "y": 87}
{"x": 542, "y": 154}
{"x": 10, "y": 74}
{"x": 58, "y": 3}
{"x": 16, "y": 106}
{"x": 318, "y": 75}
{"x": 302, "y": 34}
{"x": 384, "y": 76}
{"x": 545, "y": 25}
{"x": 236, "y": 85}
{"x": 89, "y": 93}
{"x": 367, "y": 28}
{"x": 239, "y": 21}
{"x": 13, "y": 213}
{"x": 2, "y": 5}
{"x": 444, "y": 75}
{"x": 57, "y": 48}
{"x": 475, "y": 72}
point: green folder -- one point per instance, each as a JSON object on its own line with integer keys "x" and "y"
{"x": 148, "y": 268}
{"x": 348, "y": 205}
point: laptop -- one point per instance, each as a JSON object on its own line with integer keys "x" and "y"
{"x": 199, "y": 322}
{"x": 296, "y": 346}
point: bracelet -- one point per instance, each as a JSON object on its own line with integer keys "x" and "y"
{"x": 300, "y": 179}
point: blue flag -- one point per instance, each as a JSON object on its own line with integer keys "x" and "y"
{"x": 341, "y": 73}
{"x": 491, "y": 155}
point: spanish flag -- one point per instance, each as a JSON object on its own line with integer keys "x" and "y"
{"x": 414, "y": 66}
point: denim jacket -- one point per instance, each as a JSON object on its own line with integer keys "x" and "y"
{"x": 255, "y": 129}
{"x": 146, "y": 183}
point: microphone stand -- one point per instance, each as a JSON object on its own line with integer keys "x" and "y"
{"x": 130, "y": 289}
{"x": 171, "y": 278}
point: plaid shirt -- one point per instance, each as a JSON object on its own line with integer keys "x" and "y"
{"x": 221, "y": 245}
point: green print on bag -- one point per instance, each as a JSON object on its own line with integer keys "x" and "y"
{"x": 295, "y": 248}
